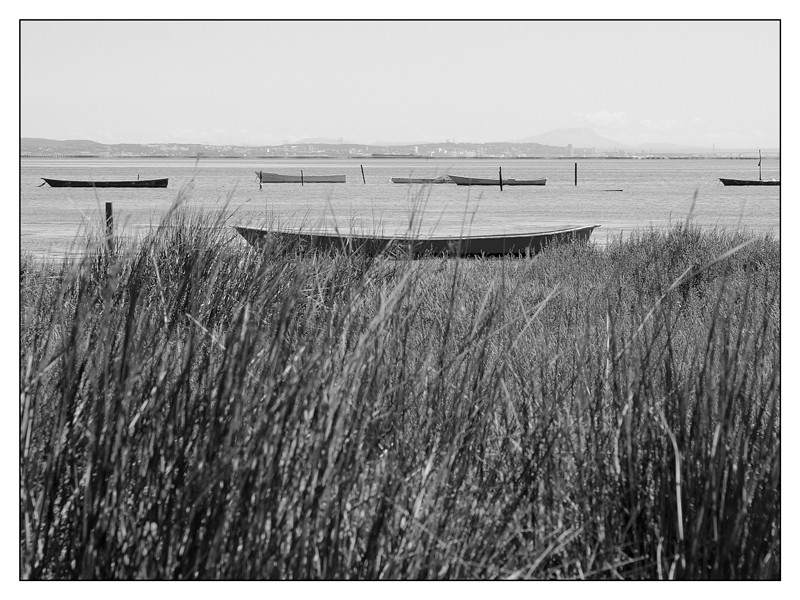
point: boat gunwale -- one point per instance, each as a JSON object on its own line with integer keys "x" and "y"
{"x": 489, "y": 181}
{"x": 406, "y": 238}
{"x": 290, "y": 178}
{"x": 422, "y": 180}
{"x": 105, "y": 180}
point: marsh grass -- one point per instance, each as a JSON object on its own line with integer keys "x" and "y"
{"x": 192, "y": 408}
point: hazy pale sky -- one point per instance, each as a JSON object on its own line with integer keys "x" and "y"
{"x": 266, "y": 82}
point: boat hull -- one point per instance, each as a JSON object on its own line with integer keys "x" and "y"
{"x": 749, "y": 181}
{"x": 280, "y": 178}
{"x": 443, "y": 179}
{"x": 137, "y": 183}
{"x": 495, "y": 182}
{"x": 487, "y": 245}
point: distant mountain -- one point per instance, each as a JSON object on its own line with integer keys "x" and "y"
{"x": 579, "y": 137}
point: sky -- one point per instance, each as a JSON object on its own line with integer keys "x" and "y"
{"x": 697, "y": 83}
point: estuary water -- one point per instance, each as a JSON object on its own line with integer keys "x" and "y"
{"x": 654, "y": 193}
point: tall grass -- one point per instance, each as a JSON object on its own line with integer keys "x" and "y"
{"x": 192, "y": 408}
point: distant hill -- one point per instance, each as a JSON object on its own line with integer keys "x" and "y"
{"x": 550, "y": 144}
{"x": 75, "y": 146}
{"x": 49, "y": 147}
{"x": 310, "y": 147}
{"x": 59, "y": 143}
{"x": 579, "y": 137}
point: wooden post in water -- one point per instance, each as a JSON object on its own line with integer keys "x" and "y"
{"x": 576, "y": 173}
{"x": 301, "y": 177}
{"x": 759, "y": 165}
{"x": 109, "y": 225}
{"x": 501, "y": 179}
{"x": 364, "y": 179}
{"x": 259, "y": 179}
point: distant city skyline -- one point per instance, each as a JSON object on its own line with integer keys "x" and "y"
{"x": 394, "y": 82}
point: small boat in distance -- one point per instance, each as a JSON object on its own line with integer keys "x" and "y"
{"x": 280, "y": 178}
{"x": 749, "y": 181}
{"x": 480, "y": 181}
{"x": 442, "y": 179}
{"x": 726, "y": 181}
{"x": 519, "y": 244}
{"x": 136, "y": 183}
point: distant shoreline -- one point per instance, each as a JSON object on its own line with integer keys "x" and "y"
{"x": 447, "y": 158}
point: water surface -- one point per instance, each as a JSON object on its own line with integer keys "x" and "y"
{"x": 655, "y": 193}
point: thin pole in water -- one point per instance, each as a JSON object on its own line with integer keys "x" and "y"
{"x": 759, "y": 165}
{"x": 301, "y": 177}
{"x": 364, "y": 179}
{"x": 576, "y": 173}
{"x": 501, "y": 179}
{"x": 259, "y": 179}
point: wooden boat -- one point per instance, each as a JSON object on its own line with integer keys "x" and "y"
{"x": 751, "y": 181}
{"x": 280, "y": 178}
{"x": 496, "y": 182}
{"x": 136, "y": 183}
{"x": 442, "y": 179}
{"x": 523, "y": 244}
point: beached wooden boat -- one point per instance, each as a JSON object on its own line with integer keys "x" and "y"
{"x": 726, "y": 181}
{"x": 523, "y": 244}
{"x": 136, "y": 183}
{"x": 442, "y": 179}
{"x": 749, "y": 181}
{"x": 281, "y": 178}
{"x": 496, "y": 182}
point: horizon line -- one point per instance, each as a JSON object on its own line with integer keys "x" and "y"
{"x": 304, "y": 141}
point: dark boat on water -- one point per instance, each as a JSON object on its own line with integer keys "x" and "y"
{"x": 749, "y": 181}
{"x": 265, "y": 177}
{"x": 136, "y": 183}
{"x": 524, "y": 244}
{"x": 726, "y": 181}
{"x": 496, "y": 182}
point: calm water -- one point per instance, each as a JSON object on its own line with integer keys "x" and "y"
{"x": 654, "y": 193}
